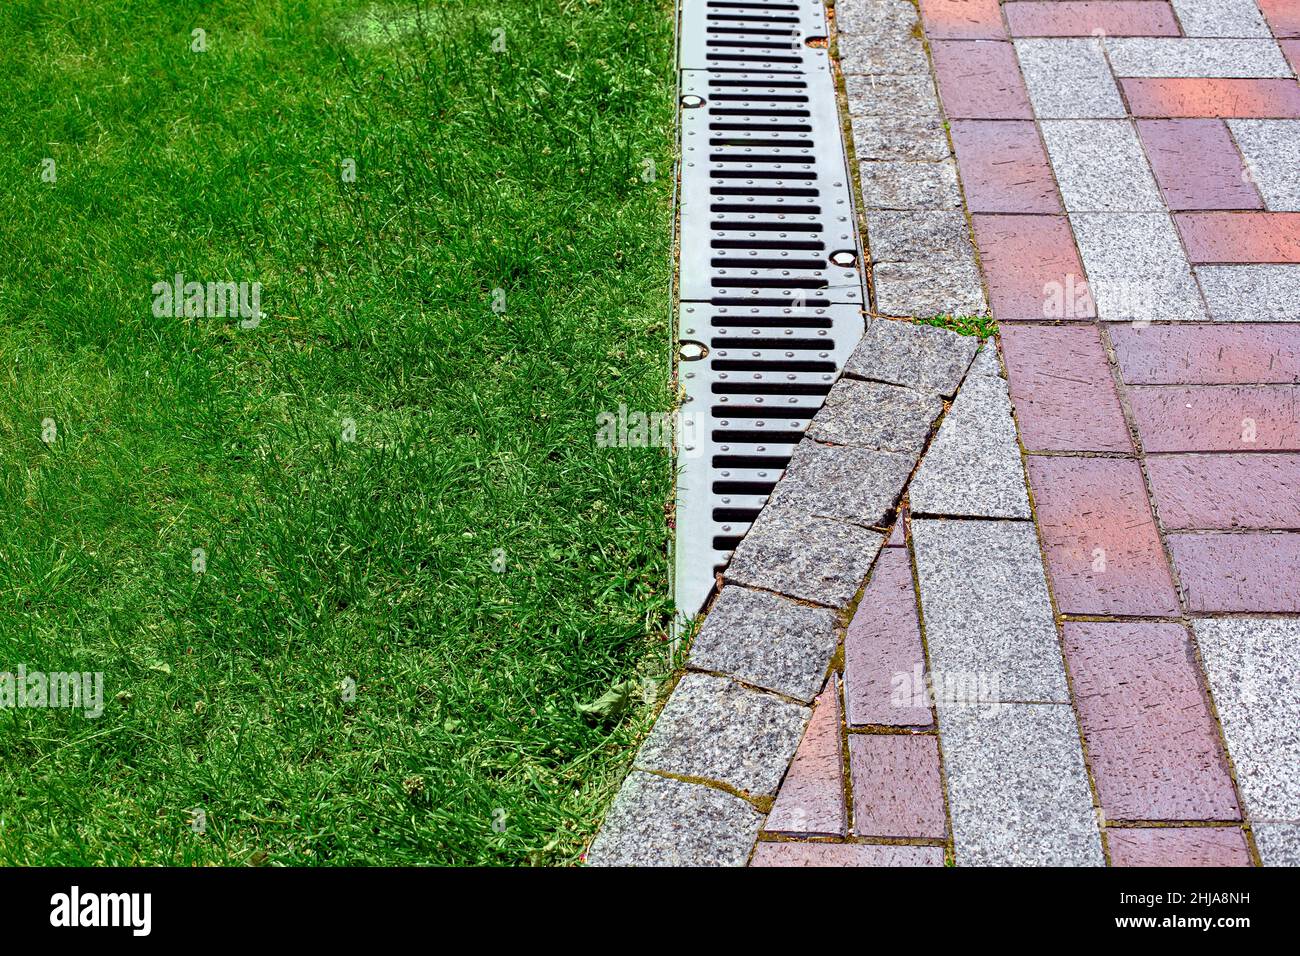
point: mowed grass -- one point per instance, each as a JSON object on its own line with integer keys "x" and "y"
{"x": 469, "y": 557}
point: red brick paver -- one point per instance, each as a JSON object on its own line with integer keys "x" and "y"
{"x": 1292, "y": 50}
{"x": 1240, "y": 237}
{"x": 1283, "y": 17}
{"x": 1004, "y": 167}
{"x": 1209, "y": 98}
{"x": 1032, "y": 268}
{"x": 882, "y": 646}
{"x": 962, "y": 19}
{"x": 1152, "y": 743}
{"x": 1197, "y": 165}
{"x": 980, "y": 79}
{"x": 1062, "y": 391}
{"x": 811, "y": 800}
{"x": 896, "y": 786}
{"x": 1178, "y": 846}
{"x": 1208, "y": 354}
{"x": 1103, "y": 553}
{"x": 1253, "y": 571}
{"x": 1081, "y": 18}
{"x": 1224, "y": 492}
{"x": 1218, "y": 418}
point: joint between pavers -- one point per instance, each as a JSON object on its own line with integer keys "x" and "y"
{"x": 760, "y": 802}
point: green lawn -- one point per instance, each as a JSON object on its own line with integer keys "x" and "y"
{"x": 331, "y": 555}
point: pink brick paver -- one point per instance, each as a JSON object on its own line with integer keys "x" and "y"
{"x": 1178, "y": 846}
{"x": 845, "y": 854}
{"x": 1283, "y": 17}
{"x": 1224, "y": 492}
{"x": 961, "y": 19}
{"x": 1238, "y": 354}
{"x": 896, "y": 786}
{"x": 1004, "y": 167}
{"x": 1292, "y": 50}
{"x": 1240, "y": 237}
{"x": 1032, "y": 268}
{"x": 1217, "y": 418}
{"x": 1152, "y": 744}
{"x": 1197, "y": 165}
{"x": 1178, "y": 98}
{"x": 1061, "y": 388}
{"x": 1082, "y": 18}
{"x": 1103, "y": 553}
{"x": 980, "y": 79}
{"x": 1249, "y": 572}
{"x": 811, "y": 799}
{"x": 883, "y": 645}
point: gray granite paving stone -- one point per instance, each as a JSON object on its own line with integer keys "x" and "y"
{"x": 986, "y": 362}
{"x": 1221, "y": 18}
{"x": 1253, "y": 666}
{"x": 1017, "y": 790}
{"x": 910, "y": 185}
{"x": 899, "y": 137}
{"x": 657, "y": 821}
{"x": 1190, "y": 57}
{"x": 1069, "y": 79}
{"x": 1255, "y": 293}
{"x": 714, "y": 729}
{"x": 972, "y": 467}
{"x": 915, "y": 236}
{"x": 896, "y": 18}
{"x": 876, "y": 415}
{"x": 891, "y": 95}
{"x": 1100, "y": 166}
{"x": 810, "y": 558}
{"x": 768, "y": 641}
{"x": 929, "y": 288}
{"x": 1136, "y": 266}
{"x": 1271, "y": 148}
{"x": 913, "y": 355}
{"x": 843, "y": 482}
{"x": 1278, "y": 843}
{"x": 985, "y": 607}
{"x": 881, "y": 54}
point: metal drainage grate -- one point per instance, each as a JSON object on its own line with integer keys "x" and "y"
{"x": 754, "y": 35}
{"x": 770, "y": 292}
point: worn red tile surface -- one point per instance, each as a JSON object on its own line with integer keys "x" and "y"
{"x": 962, "y": 19}
{"x": 1062, "y": 389}
{"x": 898, "y": 537}
{"x": 845, "y": 854}
{"x": 1283, "y": 17}
{"x": 1081, "y": 18}
{"x": 980, "y": 79}
{"x": 883, "y": 654}
{"x": 811, "y": 799}
{"x": 1004, "y": 167}
{"x": 1247, "y": 571}
{"x": 1177, "y": 98}
{"x": 1292, "y": 50}
{"x": 1197, "y": 165}
{"x": 1239, "y": 237}
{"x": 1152, "y": 743}
{"x": 1217, "y": 418}
{"x": 897, "y": 790}
{"x": 1208, "y": 354}
{"x": 1224, "y": 492}
{"x": 1032, "y": 268}
{"x": 1103, "y": 552}
{"x": 1178, "y": 846}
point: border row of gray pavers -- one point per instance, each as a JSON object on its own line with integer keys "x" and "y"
{"x": 704, "y": 778}
{"x": 1018, "y": 791}
{"x": 922, "y": 257}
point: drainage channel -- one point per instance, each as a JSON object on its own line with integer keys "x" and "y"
{"x": 770, "y": 295}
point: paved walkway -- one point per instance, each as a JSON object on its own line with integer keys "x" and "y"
{"x": 1098, "y": 664}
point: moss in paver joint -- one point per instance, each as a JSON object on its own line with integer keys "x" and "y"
{"x": 982, "y": 326}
